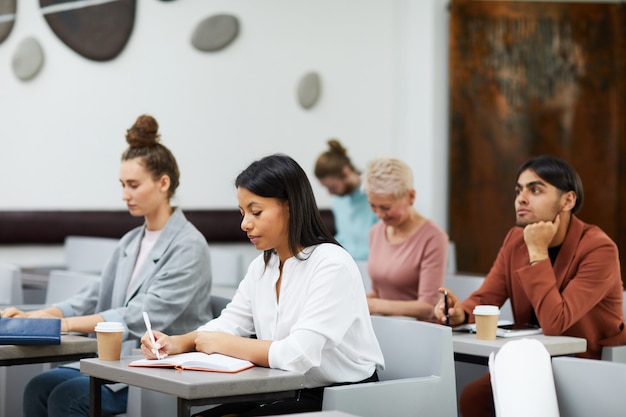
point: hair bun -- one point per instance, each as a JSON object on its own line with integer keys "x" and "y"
{"x": 145, "y": 132}
{"x": 336, "y": 147}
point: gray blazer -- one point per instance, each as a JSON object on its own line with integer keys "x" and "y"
{"x": 173, "y": 285}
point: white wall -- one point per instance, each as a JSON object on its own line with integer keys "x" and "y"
{"x": 383, "y": 65}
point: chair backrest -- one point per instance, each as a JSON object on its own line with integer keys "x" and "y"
{"x": 616, "y": 353}
{"x": 522, "y": 381}
{"x": 587, "y": 387}
{"x": 413, "y": 348}
{"x": 418, "y": 379}
{"x": 11, "y": 292}
{"x": 88, "y": 253}
{"x": 218, "y": 304}
{"x": 63, "y": 284}
{"x": 451, "y": 265}
{"x": 463, "y": 285}
{"x": 365, "y": 276}
{"x": 225, "y": 266}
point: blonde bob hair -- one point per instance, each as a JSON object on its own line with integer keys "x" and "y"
{"x": 388, "y": 176}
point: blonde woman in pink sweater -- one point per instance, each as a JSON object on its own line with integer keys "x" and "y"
{"x": 408, "y": 252}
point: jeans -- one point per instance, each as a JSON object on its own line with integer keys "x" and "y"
{"x": 64, "y": 392}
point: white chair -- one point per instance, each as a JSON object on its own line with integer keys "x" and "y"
{"x": 365, "y": 276}
{"x": 463, "y": 285}
{"x": 451, "y": 265}
{"x": 63, "y": 284}
{"x": 418, "y": 378}
{"x": 225, "y": 267}
{"x": 616, "y": 353}
{"x": 522, "y": 381}
{"x": 11, "y": 292}
{"x": 587, "y": 387}
{"x": 88, "y": 253}
{"x": 218, "y": 304}
{"x": 10, "y": 295}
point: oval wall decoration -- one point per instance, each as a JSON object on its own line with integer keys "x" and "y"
{"x": 7, "y": 18}
{"x": 96, "y": 29}
{"x": 215, "y": 33}
{"x": 27, "y": 59}
{"x": 309, "y": 90}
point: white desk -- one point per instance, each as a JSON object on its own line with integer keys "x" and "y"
{"x": 13, "y": 378}
{"x": 469, "y": 349}
{"x": 72, "y": 348}
{"x": 191, "y": 387}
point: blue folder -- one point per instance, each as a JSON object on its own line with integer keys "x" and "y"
{"x": 30, "y": 331}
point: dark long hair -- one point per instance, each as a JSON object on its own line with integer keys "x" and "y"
{"x": 279, "y": 176}
{"x": 557, "y": 173}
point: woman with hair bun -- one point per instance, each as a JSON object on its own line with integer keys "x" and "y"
{"x": 351, "y": 210}
{"x": 161, "y": 267}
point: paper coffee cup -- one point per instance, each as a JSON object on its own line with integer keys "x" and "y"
{"x": 109, "y": 335}
{"x": 486, "y": 321}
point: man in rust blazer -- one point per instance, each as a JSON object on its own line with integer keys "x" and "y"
{"x": 559, "y": 272}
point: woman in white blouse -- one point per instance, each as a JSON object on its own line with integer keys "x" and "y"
{"x": 303, "y": 298}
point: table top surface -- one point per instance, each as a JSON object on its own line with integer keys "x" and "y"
{"x": 466, "y": 343}
{"x": 71, "y": 346}
{"x": 190, "y": 384}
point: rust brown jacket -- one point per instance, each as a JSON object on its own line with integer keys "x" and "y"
{"x": 581, "y": 295}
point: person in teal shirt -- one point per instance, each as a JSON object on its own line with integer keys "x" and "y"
{"x": 351, "y": 210}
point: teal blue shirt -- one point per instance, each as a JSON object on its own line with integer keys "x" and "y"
{"x": 353, "y": 220}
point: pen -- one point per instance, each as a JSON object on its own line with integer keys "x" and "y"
{"x": 149, "y": 327}
{"x": 445, "y": 306}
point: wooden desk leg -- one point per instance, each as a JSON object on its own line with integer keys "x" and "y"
{"x": 95, "y": 396}
{"x": 183, "y": 407}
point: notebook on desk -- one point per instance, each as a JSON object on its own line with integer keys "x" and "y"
{"x": 505, "y": 329}
{"x": 197, "y": 361}
{"x": 30, "y": 331}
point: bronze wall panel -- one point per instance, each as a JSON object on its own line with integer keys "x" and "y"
{"x": 529, "y": 78}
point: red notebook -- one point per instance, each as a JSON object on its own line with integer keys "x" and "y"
{"x": 197, "y": 361}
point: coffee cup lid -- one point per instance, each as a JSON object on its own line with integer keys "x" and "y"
{"x": 486, "y": 310}
{"x": 109, "y": 326}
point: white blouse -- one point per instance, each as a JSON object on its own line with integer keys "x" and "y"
{"x": 321, "y": 324}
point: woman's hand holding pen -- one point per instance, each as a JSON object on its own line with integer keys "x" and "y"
{"x": 164, "y": 345}
{"x": 455, "y": 310}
